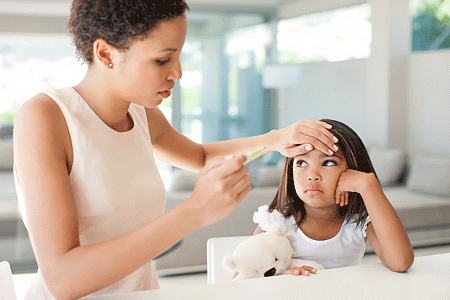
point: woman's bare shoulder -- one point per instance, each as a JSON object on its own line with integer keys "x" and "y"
{"x": 40, "y": 125}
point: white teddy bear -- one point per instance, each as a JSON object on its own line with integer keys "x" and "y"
{"x": 266, "y": 254}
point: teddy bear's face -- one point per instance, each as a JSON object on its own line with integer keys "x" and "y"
{"x": 263, "y": 255}
{"x": 273, "y": 261}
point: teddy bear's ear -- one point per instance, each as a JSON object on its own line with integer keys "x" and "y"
{"x": 229, "y": 263}
{"x": 278, "y": 228}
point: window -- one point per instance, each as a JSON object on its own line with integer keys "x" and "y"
{"x": 31, "y": 64}
{"x": 336, "y": 35}
{"x": 246, "y": 50}
{"x": 430, "y": 24}
{"x": 220, "y": 95}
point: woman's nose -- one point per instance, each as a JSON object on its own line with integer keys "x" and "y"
{"x": 176, "y": 72}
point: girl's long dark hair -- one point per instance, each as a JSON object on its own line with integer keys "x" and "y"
{"x": 288, "y": 203}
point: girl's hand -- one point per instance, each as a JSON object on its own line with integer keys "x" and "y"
{"x": 304, "y": 270}
{"x": 303, "y": 136}
{"x": 354, "y": 181}
{"x": 221, "y": 185}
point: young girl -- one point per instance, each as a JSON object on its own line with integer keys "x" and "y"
{"x": 337, "y": 203}
{"x": 90, "y": 194}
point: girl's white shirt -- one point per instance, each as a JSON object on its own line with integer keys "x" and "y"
{"x": 115, "y": 182}
{"x": 344, "y": 249}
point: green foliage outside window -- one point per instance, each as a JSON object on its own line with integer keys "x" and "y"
{"x": 431, "y": 25}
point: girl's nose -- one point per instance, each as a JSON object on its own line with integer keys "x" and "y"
{"x": 314, "y": 176}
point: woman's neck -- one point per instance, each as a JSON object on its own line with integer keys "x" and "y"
{"x": 98, "y": 94}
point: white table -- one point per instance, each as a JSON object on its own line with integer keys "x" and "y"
{"x": 428, "y": 278}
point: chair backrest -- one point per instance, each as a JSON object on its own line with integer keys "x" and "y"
{"x": 7, "y": 290}
{"x": 216, "y": 250}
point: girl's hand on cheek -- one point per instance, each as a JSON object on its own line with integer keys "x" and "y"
{"x": 353, "y": 181}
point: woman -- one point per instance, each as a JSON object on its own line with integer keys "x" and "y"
{"x": 89, "y": 191}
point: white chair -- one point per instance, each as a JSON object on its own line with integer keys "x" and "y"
{"x": 7, "y": 290}
{"x": 216, "y": 250}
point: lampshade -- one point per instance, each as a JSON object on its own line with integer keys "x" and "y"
{"x": 278, "y": 75}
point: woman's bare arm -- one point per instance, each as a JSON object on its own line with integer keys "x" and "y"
{"x": 176, "y": 149}
{"x": 42, "y": 160}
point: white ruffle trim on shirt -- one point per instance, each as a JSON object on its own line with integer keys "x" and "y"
{"x": 264, "y": 218}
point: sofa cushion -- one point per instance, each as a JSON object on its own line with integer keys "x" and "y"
{"x": 389, "y": 164}
{"x": 183, "y": 180}
{"x": 419, "y": 210}
{"x": 430, "y": 174}
{"x": 6, "y": 154}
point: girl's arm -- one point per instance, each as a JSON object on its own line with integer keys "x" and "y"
{"x": 176, "y": 149}
{"x": 43, "y": 155}
{"x": 386, "y": 232}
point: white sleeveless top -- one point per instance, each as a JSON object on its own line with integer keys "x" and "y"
{"x": 116, "y": 185}
{"x": 344, "y": 249}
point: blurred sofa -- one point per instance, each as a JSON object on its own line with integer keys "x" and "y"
{"x": 418, "y": 187}
{"x": 14, "y": 243}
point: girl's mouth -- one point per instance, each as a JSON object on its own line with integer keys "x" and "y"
{"x": 313, "y": 191}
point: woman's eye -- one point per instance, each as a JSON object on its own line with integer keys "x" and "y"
{"x": 162, "y": 62}
{"x": 330, "y": 163}
{"x": 301, "y": 163}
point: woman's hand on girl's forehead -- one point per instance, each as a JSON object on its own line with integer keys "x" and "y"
{"x": 304, "y": 136}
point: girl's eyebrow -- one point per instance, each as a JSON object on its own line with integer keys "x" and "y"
{"x": 334, "y": 155}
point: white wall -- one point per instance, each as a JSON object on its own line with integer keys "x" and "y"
{"x": 429, "y": 102}
{"x": 335, "y": 90}
{"x": 392, "y": 99}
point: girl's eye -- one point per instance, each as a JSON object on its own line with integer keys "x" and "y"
{"x": 329, "y": 163}
{"x": 301, "y": 163}
{"x": 162, "y": 62}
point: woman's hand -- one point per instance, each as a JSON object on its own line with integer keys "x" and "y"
{"x": 303, "y": 136}
{"x": 221, "y": 185}
{"x": 354, "y": 181}
{"x": 304, "y": 270}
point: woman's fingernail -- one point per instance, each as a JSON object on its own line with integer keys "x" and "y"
{"x": 308, "y": 147}
{"x": 335, "y": 139}
{"x": 335, "y": 148}
{"x": 330, "y": 152}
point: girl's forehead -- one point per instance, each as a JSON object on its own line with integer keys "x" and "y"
{"x": 317, "y": 154}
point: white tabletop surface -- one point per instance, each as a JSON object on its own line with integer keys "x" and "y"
{"x": 428, "y": 278}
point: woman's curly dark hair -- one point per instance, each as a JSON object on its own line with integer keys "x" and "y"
{"x": 288, "y": 203}
{"x": 119, "y": 22}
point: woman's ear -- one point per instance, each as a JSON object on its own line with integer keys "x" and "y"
{"x": 103, "y": 52}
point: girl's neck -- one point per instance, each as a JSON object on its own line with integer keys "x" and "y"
{"x": 321, "y": 224}
{"x": 328, "y": 215}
